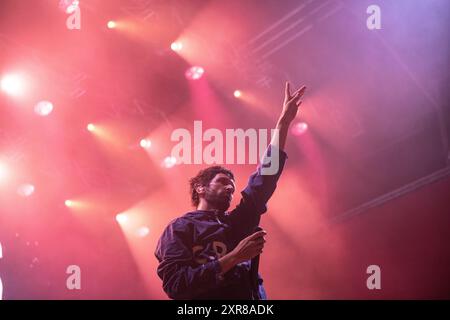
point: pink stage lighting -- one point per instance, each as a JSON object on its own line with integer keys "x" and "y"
{"x": 43, "y": 108}
{"x": 169, "y": 162}
{"x": 299, "y": 128}
{"x": 25, "y": 190}
{"x": 142, "y": 232}
{"x": 121, "y": 218}
{"x": 176, "y": 46}
{"x": 90, "y": 127}
{"x": 194, "y": 73}
{"x": 68, "y": 203}
{"x": 13, "y": 84}
{"x": 145, "y": 143}
{"x": 111, "y": 24}
{"x": 4, "y": 172}
{"x": 68, "y": 6}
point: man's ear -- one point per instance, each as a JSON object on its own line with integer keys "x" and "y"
{"x": 200, "y": 189}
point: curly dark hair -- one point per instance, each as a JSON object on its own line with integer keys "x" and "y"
{"x": 203, "y": 178}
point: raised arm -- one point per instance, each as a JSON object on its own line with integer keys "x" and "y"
{"x": 262, "y": 183}
{"x": 245, "y": 217}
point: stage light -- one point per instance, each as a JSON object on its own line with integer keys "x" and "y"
{"x": 299, "y": 128}
{"x": 1, "y": 284}
{"x": 169, "y": 162}
{"x": 13, "y": 84}
{"x": 68, "y": 203}
{"x": 111, "y": 24}
{"x": 176, "y": 46}
{"x": 91, "y": 127}
{"x": 237, "y": 93}
{"x": 145, "y": 143}
{"x": 121, "y": 218}
{"x": 25, "y": 190}
{"x": 142, "y": 232}
{"x": 4, "y": 172}
{"x": 68, "y": 6}
{"x": 71, "y": 8}
{"x": 194, "y": 73}
{"x": 43, "y": 108}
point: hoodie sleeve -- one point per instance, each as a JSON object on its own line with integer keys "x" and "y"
{"x": 261, "y": 185}
{"x": 181, "y": 278}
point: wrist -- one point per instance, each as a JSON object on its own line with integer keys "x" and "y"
{"x": 227, "y": 262}
{"x": 283, "y": 123}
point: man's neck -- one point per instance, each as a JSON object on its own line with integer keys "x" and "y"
{"x": 205, "y": 206}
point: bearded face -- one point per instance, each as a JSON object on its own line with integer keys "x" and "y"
{"x": 220, "y": 200}
{"x": 219, "y": 193}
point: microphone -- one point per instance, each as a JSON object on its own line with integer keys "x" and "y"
{"x": 254, "y": 266}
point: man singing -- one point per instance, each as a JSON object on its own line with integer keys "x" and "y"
{"x": 210, "y": 253}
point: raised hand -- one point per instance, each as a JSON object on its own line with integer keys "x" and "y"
{"x": 291, "y": 103}
{"x": 249, "y": 247}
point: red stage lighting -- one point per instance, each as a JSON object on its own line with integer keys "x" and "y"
{"x": 299, "y": 128}
{"x": 43, "y": 108}
{"x": 194, "y": 73}
{"x": 13, "y": 84}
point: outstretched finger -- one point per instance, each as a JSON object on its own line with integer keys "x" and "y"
{"x": 295, "y": 98}
{"x": 300, "y": 91}
{"x": 287, "y": 90}
{"x": 257, "y": 235}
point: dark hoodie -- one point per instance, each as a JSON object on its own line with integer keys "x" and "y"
{"x": 190, "y": 246}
